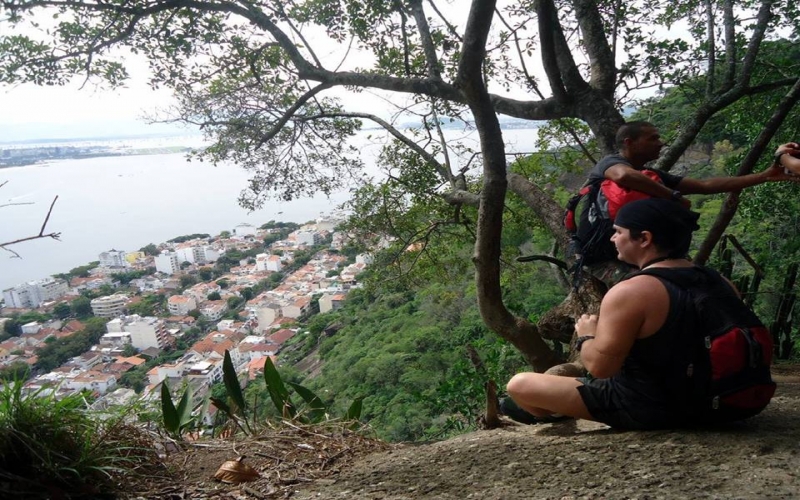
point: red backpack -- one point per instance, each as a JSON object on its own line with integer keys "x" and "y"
{"x": 590, "y": 215}
{"x": 723, "y": 374}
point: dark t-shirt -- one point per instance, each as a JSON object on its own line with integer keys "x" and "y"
{"x": 598, "y": 172}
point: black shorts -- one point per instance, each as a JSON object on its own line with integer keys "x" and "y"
{"x": 625, "y": 408}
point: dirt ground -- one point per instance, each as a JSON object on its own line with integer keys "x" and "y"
{"x": 759, "y": 458}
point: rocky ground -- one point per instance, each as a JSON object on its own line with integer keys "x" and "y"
{"x": 759, "y": 458}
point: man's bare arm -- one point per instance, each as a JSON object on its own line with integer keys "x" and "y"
{"x": 630, "y": 309}
{"x": 633, "y": 179}
{"x": 715, "y": 185}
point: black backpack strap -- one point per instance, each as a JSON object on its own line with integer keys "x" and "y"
{"x": 680, "y": 279}
{"x": 704, "y": 277}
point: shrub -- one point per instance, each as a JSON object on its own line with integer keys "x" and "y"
{"x": 56, "y": 448}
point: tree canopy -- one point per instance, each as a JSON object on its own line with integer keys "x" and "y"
{"x": 266, "y": 79}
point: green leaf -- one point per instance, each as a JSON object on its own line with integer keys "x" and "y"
{"x": 354, "y": 412}
{"x": 223, "y": 407}
{"x": 184, "y": 409}
{"x": 277, "y": 391}
{"x": 170, "y": 414}
{"x": 231, "y": 381}
{"x": 317, "y": 408}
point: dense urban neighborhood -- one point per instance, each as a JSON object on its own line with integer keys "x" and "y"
{"x": 119, "y": 328}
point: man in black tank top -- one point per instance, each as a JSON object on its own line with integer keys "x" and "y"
{"x": 624, "y": 346}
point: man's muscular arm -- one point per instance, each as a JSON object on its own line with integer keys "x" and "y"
{"x": 633, "y": 179}
{"x": 629, "y": 310}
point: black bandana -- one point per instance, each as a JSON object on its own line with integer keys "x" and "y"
{"x": 667, "y": 219}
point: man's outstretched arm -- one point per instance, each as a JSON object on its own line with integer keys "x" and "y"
{"x": 714, "y": 185}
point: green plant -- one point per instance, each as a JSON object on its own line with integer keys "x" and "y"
{"x": 237, "y": 409}
{"x": 176, "y": 420}
{"x": 242, "y": 414}
{"x": 56, "y": 448}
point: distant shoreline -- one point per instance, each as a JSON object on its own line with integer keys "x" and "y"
{"x": 46, "y": 154}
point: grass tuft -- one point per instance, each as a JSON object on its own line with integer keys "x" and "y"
{"x": 57, "y": 448}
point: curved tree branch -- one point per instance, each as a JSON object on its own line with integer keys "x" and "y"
{"x": 731, "y": 203}
{"x": 518, "y": 331}
{"x": 601, "y": 58}
{"x": 431, "y": 60}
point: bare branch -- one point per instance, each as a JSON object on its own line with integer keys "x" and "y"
{"x": 431, "y": 59}
{"x": 55, "y": 236}
{"x": 730, "y": 44}
{"x": 711, "y": 59}
{"x": 443, "y": 172}
{"x": 299, "y": 34}
{"x": 15, "y": 204}
{"x": 601, "y": 58}
{"x": 759, "y": 30}
{"x": 450, "y": 28}
{"x": 731, "y": 203}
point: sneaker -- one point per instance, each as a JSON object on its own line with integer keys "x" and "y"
{"x": 510, "y": 409}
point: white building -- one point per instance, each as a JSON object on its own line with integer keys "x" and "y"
{"x": 93, "y": 381}
{"x": 114, "y": 258}
{"x": 261, "y": 262}
{"x": 245, "y": 229}
{"x": 145, "y": 332}
{"x": 267, "y": 262}
{"x": 274, "y": 263}
{"x": 187, "y": 254}
{"x": 213, "y": 310}
{"x": 162, "y": 372}
{"x": 208, "y": 372}
{"x": 327, "y": 223}
{"x": 196, "y": 253}
{"x": 339, "y": 240}
{"x": 167, "y": 263}
{"x": 109, "y": 306}
{"x": 180, "y": 305}
{"x": 331, "y": 302}
{"x": 267, "y": 314}
{"x": 308, "y": 238}
{"x": 115, "y": 340}
{"x": 31, "y": 328}
{"x": 32, "y": 294}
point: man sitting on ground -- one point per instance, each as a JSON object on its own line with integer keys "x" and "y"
{"x": 631, "y": 346}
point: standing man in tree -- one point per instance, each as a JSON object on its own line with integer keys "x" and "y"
{"x": 639, "y": 143}
{"x": 620, "y": 178}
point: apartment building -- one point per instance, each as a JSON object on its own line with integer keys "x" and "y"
{"x": 32, "y": 294}
{"x": 267, "y": 262}
{"x": 113, "y": 258}
{"x": 145, "y": 332}
{"x": 167, "y": 263}
{"x": 196, "y": 253}
{"x": 110, "y": 306}
{"x": 331, "y": 302}
{"x": 180, "y": 305}
{"x": 213, "y": 310}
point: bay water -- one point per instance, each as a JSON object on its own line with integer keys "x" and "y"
{"x": 127, "y": 202}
